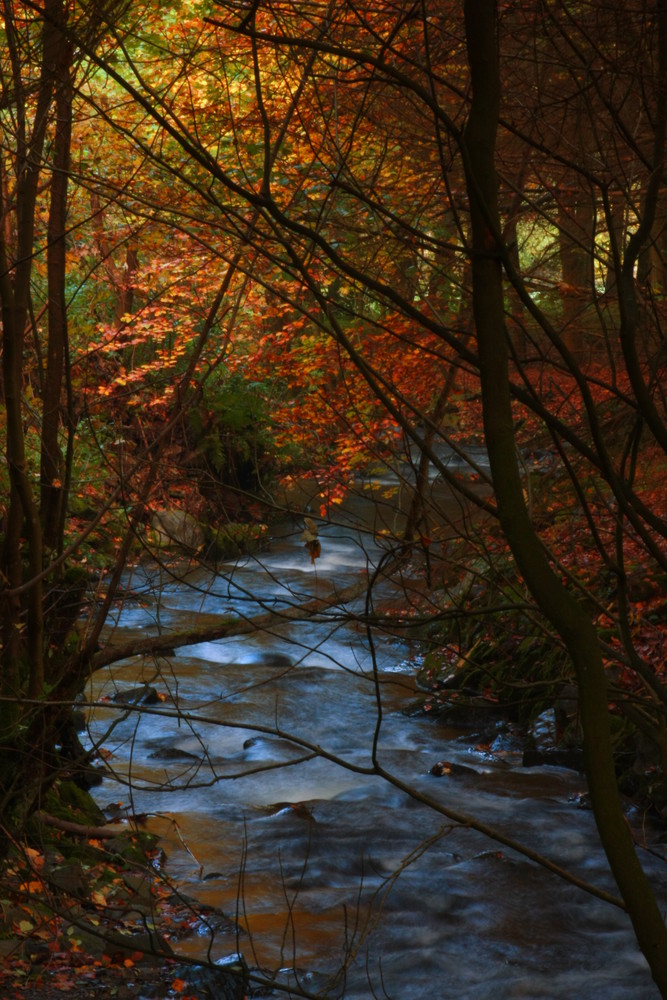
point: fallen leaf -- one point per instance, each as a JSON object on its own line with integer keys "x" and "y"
{"x": 31, "y": 886}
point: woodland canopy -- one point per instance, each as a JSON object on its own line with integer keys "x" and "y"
{"x": 255, "y": 254}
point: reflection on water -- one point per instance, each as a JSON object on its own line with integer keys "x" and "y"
{"x": 325, "y": 865}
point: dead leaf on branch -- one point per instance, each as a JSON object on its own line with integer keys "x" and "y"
{"x": 309, "y": 537}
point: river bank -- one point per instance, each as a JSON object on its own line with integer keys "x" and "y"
{"x": 87, "y": 912}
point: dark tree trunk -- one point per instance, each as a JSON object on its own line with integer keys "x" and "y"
{"x": 52, "y": 466}
{"x": 575, "y": 237}
{"x": 558, "y": 605}
{"x": 29, "y": 726}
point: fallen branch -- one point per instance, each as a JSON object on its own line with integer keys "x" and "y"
{"x": 233, "y": 626}
{"x": 79, "y": 829}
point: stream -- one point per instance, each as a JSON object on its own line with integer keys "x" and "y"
{"x": 325, "y": 867}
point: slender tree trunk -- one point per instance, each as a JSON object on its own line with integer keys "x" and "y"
{"x": 122, "y": 278}
{"x": 616, "y": 223}
{"x": 26, "y": 731}
{"x": 23, "y": 639}
{"x": 52, "y": 471}
{"x": 559, "y": 606}
{"x": 575, "y": 236}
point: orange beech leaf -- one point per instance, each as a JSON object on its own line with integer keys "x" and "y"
{"x": 36, "y": 886}
{"x": 35, "y": 857}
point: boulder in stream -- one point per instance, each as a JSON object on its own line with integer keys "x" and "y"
{"x": 177, "y": 528}
{"x": 144, "y": 695}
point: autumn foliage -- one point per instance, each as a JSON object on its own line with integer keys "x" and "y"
{"x": 237, "y": 251}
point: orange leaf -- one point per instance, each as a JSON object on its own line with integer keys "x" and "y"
{"x": 35, "y": 857}
{"x": 33, "y": 886}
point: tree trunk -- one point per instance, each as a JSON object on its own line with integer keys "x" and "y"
{"x": 559, "y": 606}
{"x": 52, "y": 471}
{"x": 28, "y": 731}
{"x": 575, "y": 238}
{"x": 23, "y": 638}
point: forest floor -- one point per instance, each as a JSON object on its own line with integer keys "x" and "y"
{"x": 138, "y": 983}
{"x": 92, "y": 917}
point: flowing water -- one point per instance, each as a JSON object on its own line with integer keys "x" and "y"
{"x": 324, "y": 866}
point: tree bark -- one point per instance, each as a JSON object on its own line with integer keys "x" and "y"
{"x": 575, "y": 239}
{"x": 27, "y": 731}
{"x": 52, "y": 471}
{"x": 558, "y": 604}
{"x": 23, "y": 641}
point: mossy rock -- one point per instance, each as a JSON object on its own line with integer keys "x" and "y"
{"x": 66, "y": 800}
{"x": 236, "y": 538}
{"x": 436, "y": 669}
{"x": 176, "y": 529}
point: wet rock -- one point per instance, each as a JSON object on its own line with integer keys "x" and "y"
{"x": 172, "y": 753}
{"x": 467, "y": 710}
{"x": 144, "y": 695}
{"x": 508, "y": 743}
{"x": 276, "y": 660}
{"x": 226, "y": 980}
{"x": 211, "y": 922}
{"x": 268, "y": 748}
{"x": 446, "y": 767}
{"x": 206, "y": 919}
{"x": 177, "y": 527}
{"x": 299, "y": 809}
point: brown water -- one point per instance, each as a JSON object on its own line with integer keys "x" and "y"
{"x": 325, "y": 867}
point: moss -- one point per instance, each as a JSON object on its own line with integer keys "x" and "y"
{"x": 235, "y": 539}
{"x": 132, "y": 846}
{"x": 67, "y": 801}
